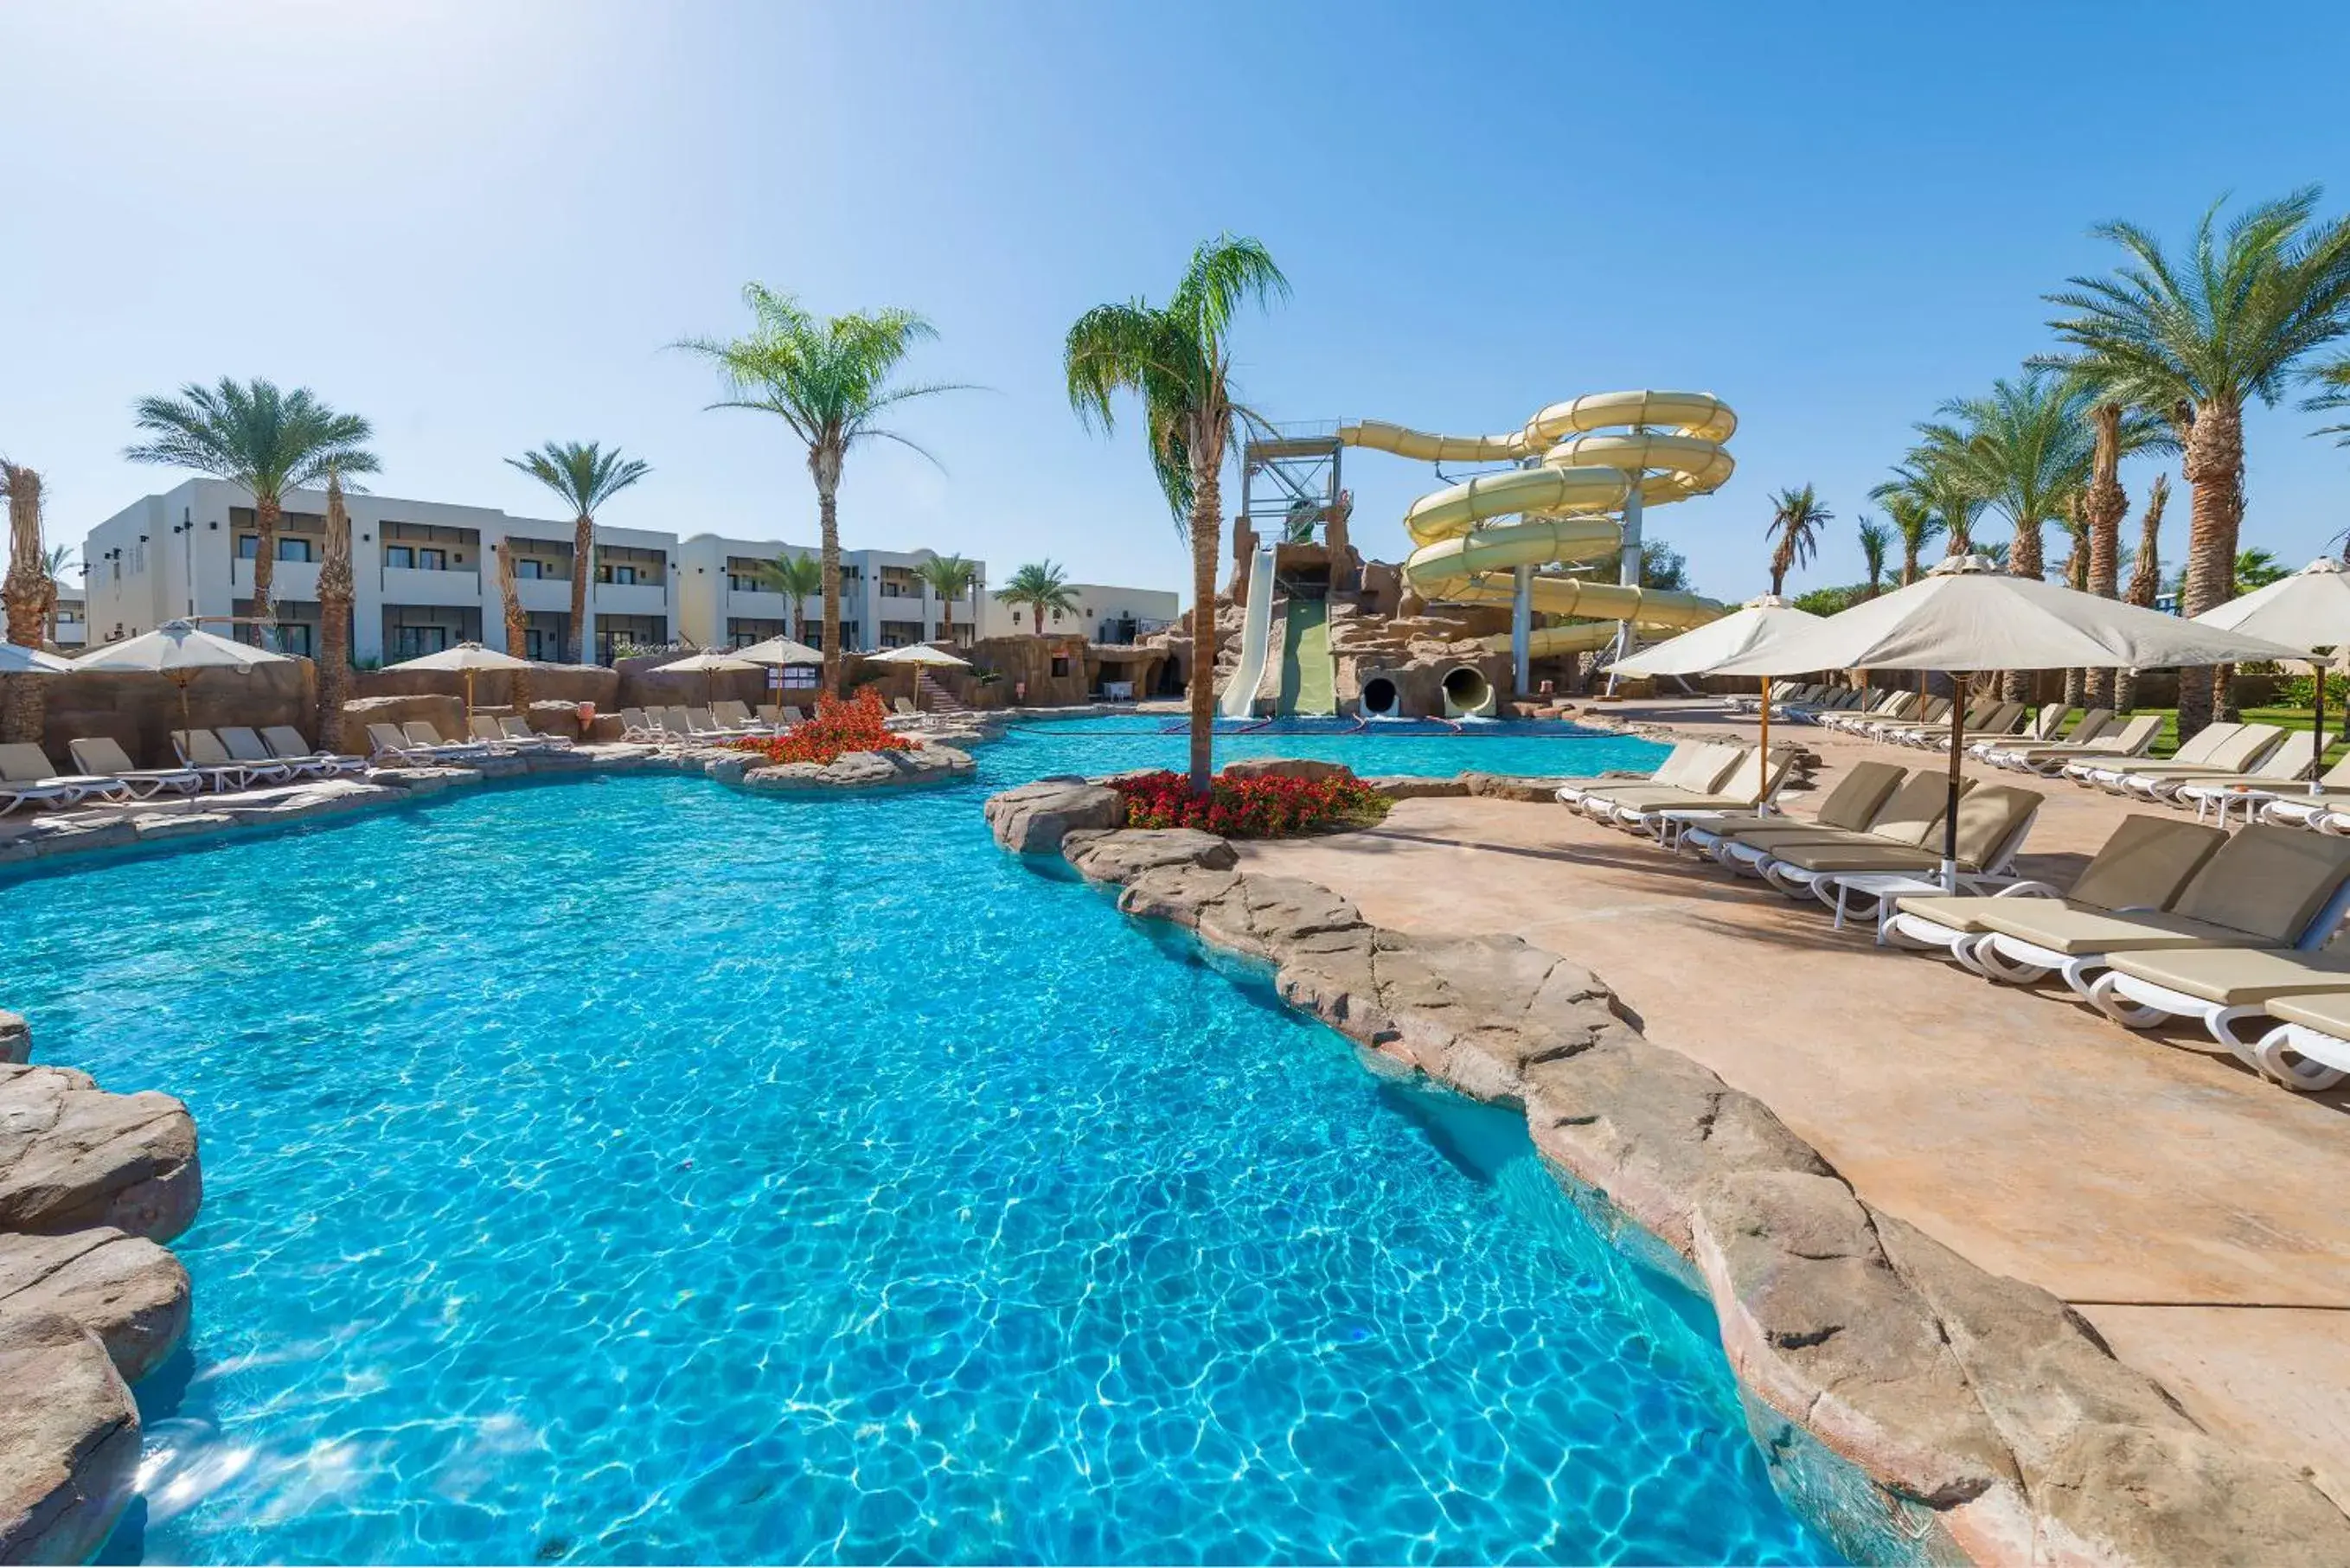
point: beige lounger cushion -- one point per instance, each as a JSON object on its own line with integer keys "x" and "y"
{"x": 1916, "y": 808}
{"x": 2327, "y": 1012}
{"x": 2070, "y": 929}
{"x": 2239, "y": 977}
{"x": 1679, "y": 764}
{"x": 2268, "y": 881}
{"x": 1956, "y": 911}
{"x": 2145, "y": 863}
{"x": 1988, "y": 818}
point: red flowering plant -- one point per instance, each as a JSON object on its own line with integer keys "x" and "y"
{"x": 857, "y": 724}
{"x": 1270, "y": 806}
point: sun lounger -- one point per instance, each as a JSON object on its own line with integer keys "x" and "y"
{"x": 1751, "y": 785}
{"x": 678, "y": 723}
{"x": 409, "y": 749}
{"x": 2309, "y": 1049}
{"x": 287, "y": 745}
{"x": 27, "y": 778}
{"x": 636, "y": 724}
{"x": 2297, "y": 806}
{"x": 793, "y": 715}
{"x": 2196, "y": 749}
{"x": 103, "y": 756}
{"x": 1860, "y": 793}
{"x": 2285, "y": 769}
{"x": 202, "y": 751}
{"x": 1991, "y": 749}
{"x": 1994, "y": 718}
{"x": 2219, "y": 987}
{"x": 482, "y": 730}
{"x": 246, "y": 749}
{"x": 1570, "y": 792}
{"x": 517, "y": 732}
{"x": 2117, "y": 741}
{"x": 1679, "y": 779}
{"x": 1935, "y": 711}
{"x": 2249, "y": 749}
{"x": 736, "y": 717}
{"x": 423, "y": 736}
{"x": 2143, "y": 864}
{"x": 1992, "y": 822}
{"x": 2265, "y": 887}
{"x": 1910, "y": 811}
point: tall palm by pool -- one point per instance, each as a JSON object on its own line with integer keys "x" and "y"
{"x": 586, "y": 477}
{"x": 1177, "y": 359}
{"x": 1038, "y": 586}
{"x": 829, "y": 379}
{"x": 1797, "y": 516}
{"x": 797, "y": 577}
{"x": 950, "y": 577}
{"x": 2202, "y": 331}
{"x": 270, "y": 441}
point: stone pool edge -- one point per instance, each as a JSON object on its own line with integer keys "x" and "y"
{"x": 1986, "y": 1419}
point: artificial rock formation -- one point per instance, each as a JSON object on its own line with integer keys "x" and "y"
{"x": 862, "y": 770}
{"x": 1986, "y": 1419}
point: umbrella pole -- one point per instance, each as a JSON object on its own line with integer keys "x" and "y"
{"x": 2317, "y": 723}
{"x": 1950, "y": 807}
{"x": 1762, "y": 756}
{"x": 187, "y": 727}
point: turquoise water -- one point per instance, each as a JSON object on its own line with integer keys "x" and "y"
{"x": 639, "y": 1170}
{"x": 1425, "y": 748}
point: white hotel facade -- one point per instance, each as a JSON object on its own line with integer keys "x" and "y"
{"x": 426, "y": 577}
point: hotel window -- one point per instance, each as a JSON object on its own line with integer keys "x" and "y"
{"x": 402, "y": 556}
{"x": 432, "y": 560}
{"x": 248, "y": 547}
{"x": 295, "y": 549}
{"x": 526, "y": 567}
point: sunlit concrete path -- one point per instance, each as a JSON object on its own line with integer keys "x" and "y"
{"x": 2193, "y": 1211}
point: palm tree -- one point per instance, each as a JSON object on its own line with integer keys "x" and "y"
{"x": 2145, "y": 577}
{"x": 268, "y": 441}
{"x": 2024, "y": 450}
{"x": 2227, "y": 320}
{"x": 829, "y": 379}
{"x": 55, "y": 561}
{"x": 950, "y": 577}
{"x": 586, "y": 477}
{"x": 1908, "y": 500}
{"x": 1177, "y": 359}
{"x": 1875, "y": 540}
{"x": 518, "y": 622}
{"x": 2256, "y": 569}
{"x": 1040, "y": 585}
{"x": 2334, "y": 379}
{"x": 795, "y": 578}
{"x": 24, "y": 591}
{"x": 337, "y": 591}
{"x": 1797, "y": 517}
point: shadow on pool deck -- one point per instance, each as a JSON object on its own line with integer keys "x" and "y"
{"x": 2191, "y": 1209}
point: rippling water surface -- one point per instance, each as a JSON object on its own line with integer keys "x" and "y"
{"x": 640, "y": 1171}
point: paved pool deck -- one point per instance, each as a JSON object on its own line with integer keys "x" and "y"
{"x": 2197, "y": 1214}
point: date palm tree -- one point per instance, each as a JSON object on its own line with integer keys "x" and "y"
{"x": 2226, "y": 320}
{"x": 795, "y": 578}
{"x": 1039, "y": 586}
{"x": 1911, "y": 515}
{"x": 1797, "y": 516}
{"x": 24, "y": 591}
{"x": 518, "y": 622}
{"x": 585, "y": 476}
{"x": 2145, "y": 577}
{"x": 1177, "y": 360}
{"x": 2333, "y": 383}
{"x": 56, "y": 562}
{"x": 267, "y": 441}
{"x": 2024, "y": 450}
{"x": 1876, "y": 542}
{"x": 830, "y": 379}
{"x": 950, "y": 577}
{"x": 337, "y": 591}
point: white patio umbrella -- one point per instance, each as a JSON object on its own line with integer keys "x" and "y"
{"x": 712, "y": 662}
{"x": 779, "y": 651}
{"x": 17, "y": 660}
{"x": 176, "y": 650}
{"x": 1758, "y": 625}
{"x": 2309, "y": 610}
{"x": 466, "y": 659}
{"x": 922, "y": 655}
{"x": 1969, "y": 615}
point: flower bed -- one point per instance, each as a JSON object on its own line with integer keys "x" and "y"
{"x": 1272, "y": 806}
{"x": 859, "y": 724}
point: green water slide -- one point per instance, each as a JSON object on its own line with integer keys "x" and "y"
{"x": 1307, "y": 684}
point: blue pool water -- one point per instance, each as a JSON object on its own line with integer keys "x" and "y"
{"x": 639, "y": 1170}
{"x": 1117, "y": 743}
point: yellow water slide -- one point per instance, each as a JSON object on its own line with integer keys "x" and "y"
{"x": 1585, "y": 461}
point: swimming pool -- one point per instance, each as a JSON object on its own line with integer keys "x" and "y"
{"x": 1112, "y": 743}
{"x": 640, "y": 1171}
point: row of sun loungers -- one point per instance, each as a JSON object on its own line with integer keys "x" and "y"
{"x": 233, "y": 757}
{"x": 2170, "y": 919}
{"x": 718, "y": 722}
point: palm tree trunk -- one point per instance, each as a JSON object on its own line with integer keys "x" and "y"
{"x": 1909, "y": 564}
{"x": 268, "y": 512}
{"x": 828, "y": 517}
{"x": 517, "y": 623}
{"x": 22, "y": 705}
{"x": 583, "y": 556}
{"x": 2145, "y": 577}
{"x": 2024, "y": 560}
{"x": 2215, "y": 473}
{"x": 1038, "y": 609}
{"x": 946, "y": 619}
{"x": 337, "y": 592}
{"x": 2102, "y": 507}
{"x": 1207, "y": 549}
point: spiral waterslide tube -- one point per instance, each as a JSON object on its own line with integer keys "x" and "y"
{"x": 1595, "y": 455}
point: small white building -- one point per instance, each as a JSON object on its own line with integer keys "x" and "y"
{"x": 72, "y": 626}
{"x": 724, "y": 603}
{"x": 1103, "y": 614}
{"x": 424, "y": 570}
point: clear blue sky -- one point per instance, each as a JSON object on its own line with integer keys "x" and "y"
{"x": 479, "y": 224}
